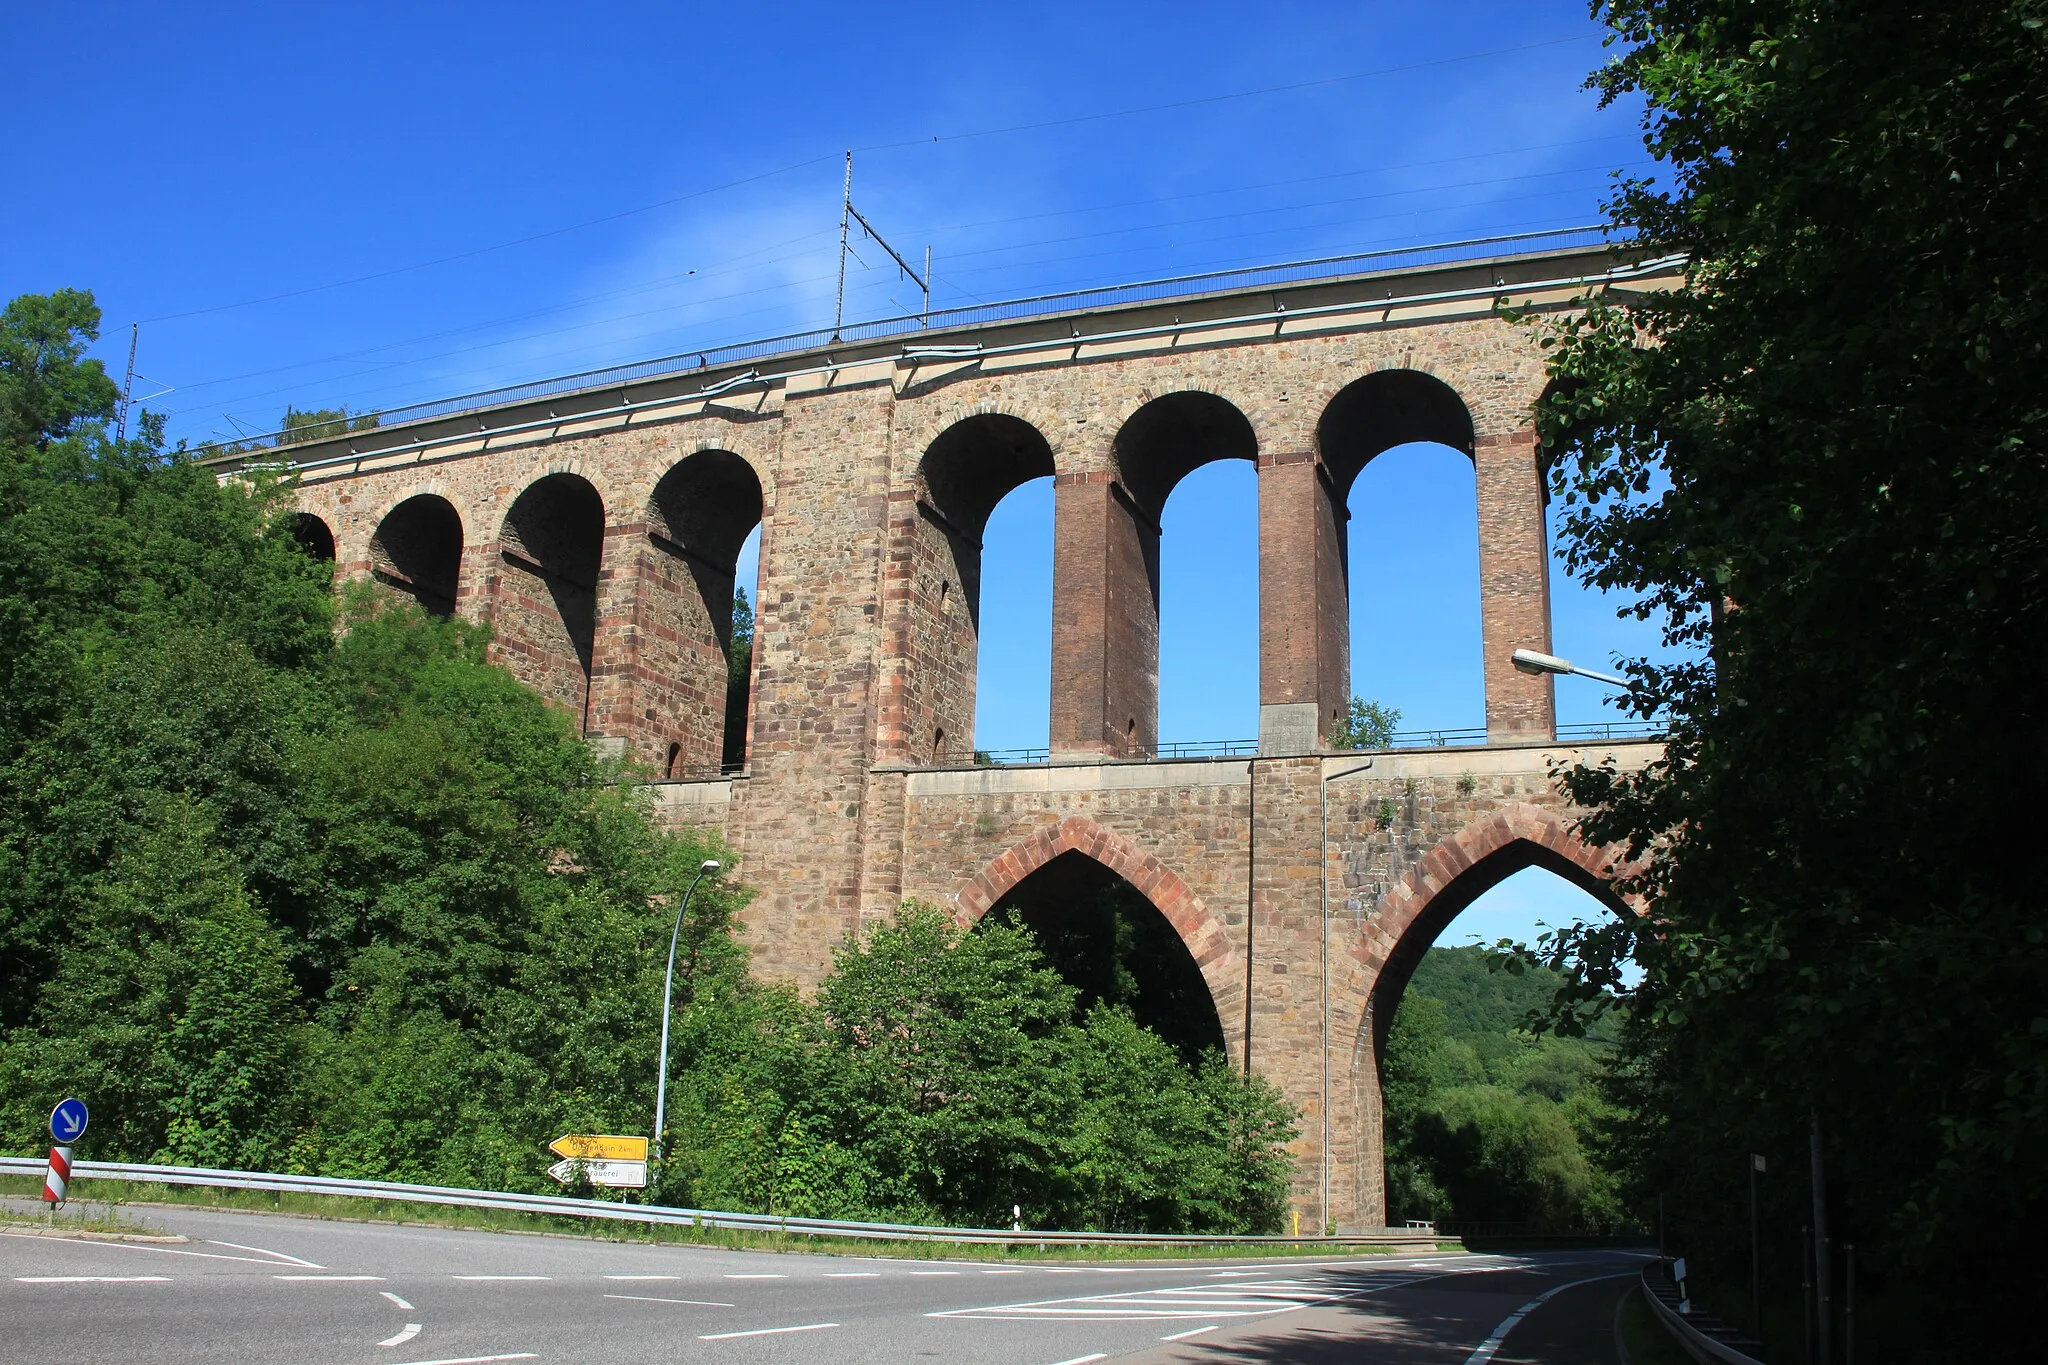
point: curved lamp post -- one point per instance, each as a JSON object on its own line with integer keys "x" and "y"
{"x": 668, "y": 987}
{"x": 1529, "y": 661}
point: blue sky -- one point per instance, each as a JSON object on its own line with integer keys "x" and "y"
{"x": 372, "y": 205}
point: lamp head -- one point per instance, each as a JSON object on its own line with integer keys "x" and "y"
{"x": 1529, "y": 661}
{"x": 710, "y": 865}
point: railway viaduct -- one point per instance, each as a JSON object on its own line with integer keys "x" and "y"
{"x": 595, "y": 522}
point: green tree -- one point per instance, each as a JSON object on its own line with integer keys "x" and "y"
{"x": 1819, "y": 463}
{"x": 320, "y": 423}
{"x": 739, "y": 681}
{"x": 1366, "y": 725}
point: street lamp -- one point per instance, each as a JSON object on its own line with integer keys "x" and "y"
{"x": 1529, "y": 661}
{"x": 668, "y": 987}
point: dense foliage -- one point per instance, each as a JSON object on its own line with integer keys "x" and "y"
{"x": 1820, "y": 463}
{"x": 1366, "y": 725}
{"x": 1487, "y": 1123}
{"x": 275, "y": 894}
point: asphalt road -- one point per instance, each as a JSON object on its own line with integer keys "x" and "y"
{"x": 249, "y": 1287}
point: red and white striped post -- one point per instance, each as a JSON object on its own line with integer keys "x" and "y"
{"x": 59, "y": 1176}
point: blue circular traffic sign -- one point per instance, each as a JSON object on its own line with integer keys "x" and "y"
{"x": 67, "y": 1120}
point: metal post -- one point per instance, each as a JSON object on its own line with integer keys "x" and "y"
{"x": 1756, "y": 1278}
{"x": 668, "y": 986}
{"x": 845, "y": 212}
{"x": 128, "y": 384}
{"x": 1849, "y": 1304}
{"x": 1806, "y": 1286}
{"x": 927, "y": 280}
{"x": 1823, "y": 1300}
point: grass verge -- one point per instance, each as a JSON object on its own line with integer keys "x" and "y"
{"x": 116, "y": 1196}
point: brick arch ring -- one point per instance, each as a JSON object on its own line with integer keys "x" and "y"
{"x": 1200, "y": 932}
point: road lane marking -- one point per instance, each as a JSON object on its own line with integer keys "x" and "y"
{"x": 411, "y": 1330}
{"x": 396, "y": 1300}
{"x": 649, "y": 1298}
{"x": 266, "y": 1251}
{"x": 356, "y": 1279}
{"x": 778, "y": 1331}
{"x": 643, "y": 1277}
{"x": 935, "y": 1272}
{"x": 1491, "y": 1346}
{"x": 752, "y": 1276}
{"x": 131, "y": 1246}
{"x": 479, "y": 1279}
{"x": 1239, "y": 1300}
{"x": 1083, "y": 1360}
{"x": 861, "y": 1274}
{"x": 1002, "y": 1272}
{"x": 92, "y": 1279}
{"x": 1191, "y": 1332}
{"x": 475, "y": 1360}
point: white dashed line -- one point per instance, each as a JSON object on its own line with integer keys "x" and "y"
{"x": 266, "y": 1251}
{"x": 643, "y": 1277}
{"x": 757, "y": 1277}
{"x": 648, "y": 1298}
{"x": 935, "y": 1272}
{"x": 411, "y": 1330}
{"x": 353, "y": 1279}
{"x": 1002, "y": 1272}
{"x": 1083, "y": 1360}
{"x": 480, "y": 1279}
{"x": 396, "y": 1300}
{"x": 92, "y": 1279}
{"x": 777, "y": 1331}
{"x": 476, "y": 1360}
{"x": 858, "y": 1274}
{"x": 1191, "y": 1332}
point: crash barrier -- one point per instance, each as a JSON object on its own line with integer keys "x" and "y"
{"x": 562, "y": 1206}
{"x": 1702, "y": 1335}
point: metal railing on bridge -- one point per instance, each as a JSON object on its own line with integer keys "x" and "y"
{"x": 1608, "y": 731}
{"x": 948, "y": 319}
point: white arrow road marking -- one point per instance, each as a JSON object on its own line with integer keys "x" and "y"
{"x": 412, "y": 1329}
{"x": 777, "y": 1331}
{"x": 266, "y": 1251}
{"x": 396, "y": 1300}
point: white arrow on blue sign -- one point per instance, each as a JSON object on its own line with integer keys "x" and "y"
{"x": 68, "y": 1120}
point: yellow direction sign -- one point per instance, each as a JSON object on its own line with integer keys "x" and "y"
{"x": 599, "y": 1147}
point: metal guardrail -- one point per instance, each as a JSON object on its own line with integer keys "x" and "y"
{"x": 562, "y": 1206}
{"x": 953, "y": 319}
{"x": 1701, "y": 1334}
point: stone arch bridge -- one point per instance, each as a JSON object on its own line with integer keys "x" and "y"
{"x": 596, "y": 522}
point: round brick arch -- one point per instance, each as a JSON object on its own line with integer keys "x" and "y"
{"x": 1457, "y": 872}
{"x": 1199, "y": 930}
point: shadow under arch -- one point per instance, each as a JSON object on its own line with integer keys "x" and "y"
{"x": 968, "y": 469}
{"x": 313, "y": 535}
{"x": 551, "y": 547}
{"x": 1199, "y": 932}
{"x": 1171, "y": 437}
{"x": 417, "y": 550}
{"x": 1385, "y": 409}
{"x": 698, "y": 518}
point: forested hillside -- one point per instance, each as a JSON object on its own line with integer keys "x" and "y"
{"x": 299, "y": 885}
{"x": 1487, "y": 1122}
